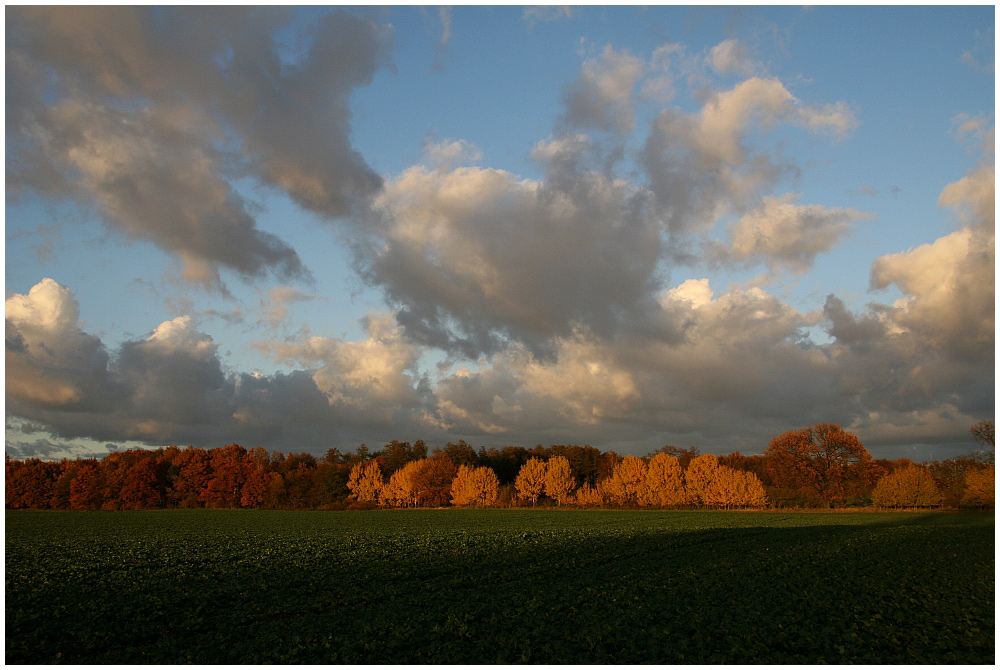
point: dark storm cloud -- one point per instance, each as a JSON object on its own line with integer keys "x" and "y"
{"x": 147, "y": 113}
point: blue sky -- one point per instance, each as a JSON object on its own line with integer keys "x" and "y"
{"x": 625, "y": 227}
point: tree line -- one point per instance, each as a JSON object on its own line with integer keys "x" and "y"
{"x": 818, "y": 466}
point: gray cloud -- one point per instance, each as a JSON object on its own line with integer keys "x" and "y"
{"x": 147, "y": 113}
{"x": 473, "y": 258}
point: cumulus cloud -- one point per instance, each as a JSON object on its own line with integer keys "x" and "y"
{"x": 926, "y": 362}
{"x": 740, "y": 356}
{"x": 732, "y": 57}
{"x": 170, "y": 387}
{"x": 786, "y": 236}
{"x": 473, "y": 258}
{"x": 601, "y": 98}
{"x": 701, "y": 165}
{"x": 148, "y": 114}
{"x": 50, "y": 361}
{"x": 373, "y": 378}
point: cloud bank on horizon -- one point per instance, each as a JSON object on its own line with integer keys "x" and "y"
{"x": 637, "y": 282}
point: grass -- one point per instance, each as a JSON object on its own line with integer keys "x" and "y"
{"x": 507, "y": 586}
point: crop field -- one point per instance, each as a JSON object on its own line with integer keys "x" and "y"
{"x": 507, "y": 586}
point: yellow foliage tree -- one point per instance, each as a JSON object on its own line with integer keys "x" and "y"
{"x": 475, "y": 486}
{"x": 587, "y": 496}
{"x": 980, "y": 487}
{"x": 912, "y": 486}
{"x": 698, "y": 477}
{"x": 365, "y": 482}
{"x": 559, "y": 480}
{"x": 626, "y": 481}
{"x": 402, "y": 489}
{"x": 734, "y": 488}
{"x": 664, "y": 484}
{"x": 530, "y": 481}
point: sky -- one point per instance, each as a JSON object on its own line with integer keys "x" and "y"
{"x": 305, "y": 228}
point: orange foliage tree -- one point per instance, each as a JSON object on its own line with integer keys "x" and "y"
{"x": 698, "y": 478}
{"x": 475, "y": 486}
{"x": 664, "y": 484}
{"x": 626, "y": 481}
{"x": 28, "y": 483}
{"x": 559, "y": 480}
{"x": 530, "y": 481}
{"x": 912, "y": 486}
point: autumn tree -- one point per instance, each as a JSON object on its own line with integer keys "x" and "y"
{"x": 530, "y": 481}
{"x": 912, "y": 486}
{"x": 734, "y": 488}
{"x": 229, "y": 473}
{"x": 559, "y": 480}
{"x": 683, "y": 456}
{"x": 698, "y": 478}
{"x": 402, "y": 489}
{"x": 475, "y": 486}
{"x": 626, "y": 481}
{"x": 365, "y": 482}
{"x": 583, "y": 461}
{"x": 821, "y": 462}
{"x": 85, "y": 489}
{"x": 587, "y": 496}
{"x": 142, "y": 487}
{"x": 980, "y": 487}
{"x": 28, "y": 484}
{"x": 193, "y": 470}
{"x": 433, "y": 480}
{"x": 260, "y": 480}
{"x": 65, "y": 472}
{"x": 664, "y": 484}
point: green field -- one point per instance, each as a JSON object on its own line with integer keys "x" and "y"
{"x": 509, "y": 586}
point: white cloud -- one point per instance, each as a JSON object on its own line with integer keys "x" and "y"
{"x": 732, "y": 57}
{"x": 370, "y": 379}
{"x": 787, "y": 236}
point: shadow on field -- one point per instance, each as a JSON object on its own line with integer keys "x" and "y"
{"x": 533, "y": 588}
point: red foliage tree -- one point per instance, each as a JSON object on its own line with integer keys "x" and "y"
{"x": 29, "y": 484}
{"x": 142, "y": 486}
{"x": 193, "y": 470}
{"x": 85, "y": 489}
{"x": 229, "y": 473}
{"x": 821, "y": 463}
